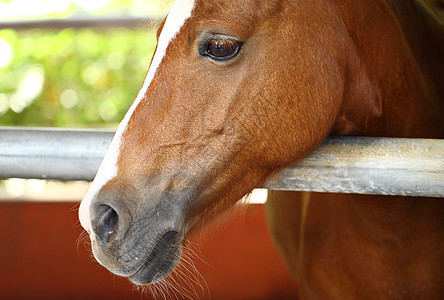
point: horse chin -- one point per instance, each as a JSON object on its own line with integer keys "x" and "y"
{"x": 138, "y": 266}
{"x": 161, "y": 261}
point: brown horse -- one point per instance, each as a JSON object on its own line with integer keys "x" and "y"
{"x": 236, "y": 91}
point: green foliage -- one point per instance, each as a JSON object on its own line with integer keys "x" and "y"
{"x": 72, "y": 78}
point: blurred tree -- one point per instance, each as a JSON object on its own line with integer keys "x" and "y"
{"x": 75, "y": 78}
{"x": 72, "y": 78}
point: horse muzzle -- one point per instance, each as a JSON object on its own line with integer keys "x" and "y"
{"x": 163, "y": 258}
{"x": 143, "y": 244}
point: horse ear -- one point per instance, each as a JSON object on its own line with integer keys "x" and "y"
{"x": 361, "y": 102}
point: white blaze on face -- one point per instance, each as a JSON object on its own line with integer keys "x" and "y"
{"x": 180, "y": 11}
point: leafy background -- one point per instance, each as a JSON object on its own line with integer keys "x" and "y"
{"x": 73, "y": 77}
{"x": 70, "y": 78}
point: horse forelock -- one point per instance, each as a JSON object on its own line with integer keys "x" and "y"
{"x": 179, "y": 13}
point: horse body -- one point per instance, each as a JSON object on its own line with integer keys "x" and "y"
{"x": 237, "y": 92}
{"x": 350, "y": 246}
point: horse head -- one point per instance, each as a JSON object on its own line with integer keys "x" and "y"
{"x": 235, "y": 92}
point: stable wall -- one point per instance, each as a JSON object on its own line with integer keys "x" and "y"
{"x": 39, "y": 258}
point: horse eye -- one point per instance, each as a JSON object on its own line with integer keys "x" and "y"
{"x": 222, "y": 49}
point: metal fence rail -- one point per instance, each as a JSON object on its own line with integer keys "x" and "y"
{"x": 389, "y": 166}
{"x": 89, "y": 22}
{"x": 52, "y": 153}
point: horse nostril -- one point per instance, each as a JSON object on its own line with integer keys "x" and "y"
{"x": 105, "y": 223}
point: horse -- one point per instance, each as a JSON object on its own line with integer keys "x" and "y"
{"x": 235, "y": 92}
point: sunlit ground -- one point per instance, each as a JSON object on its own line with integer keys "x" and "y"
{"x": 41, "y": 190}
{"x": 47, "y": 191}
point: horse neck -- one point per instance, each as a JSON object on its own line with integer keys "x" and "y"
{"x": 422, "y": 23}
{"x": 385, "y": 92}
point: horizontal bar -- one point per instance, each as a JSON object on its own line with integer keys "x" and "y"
{"x": 384, "y": 166}
{"x": 127, "y": 22}
{"x": 58, "y": 154}
{"x": 389, "y": 166}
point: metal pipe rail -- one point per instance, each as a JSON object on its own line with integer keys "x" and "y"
{"x": 388, "y": 166}
{"x": 88, "y": 22}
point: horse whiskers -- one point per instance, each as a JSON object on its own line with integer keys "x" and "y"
{"x": 156, "y": 289}
{"x": 178, "y": 289}
{"x": 177, "y": 285}
{"x": 144, "y": 290}
{"x": 83, "y": 238}
{"x": 162, "y": 289}
{"x": 189, "y": 265}
{"x": 185, "y": 281}
{"x": 193, "y": 249}
{"x": 174, "y": 286}
{"x": 182, "y": 275}
{"x": 75, "y": 207}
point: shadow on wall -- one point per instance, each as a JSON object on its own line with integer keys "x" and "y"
{"x": 39, "y": 258}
